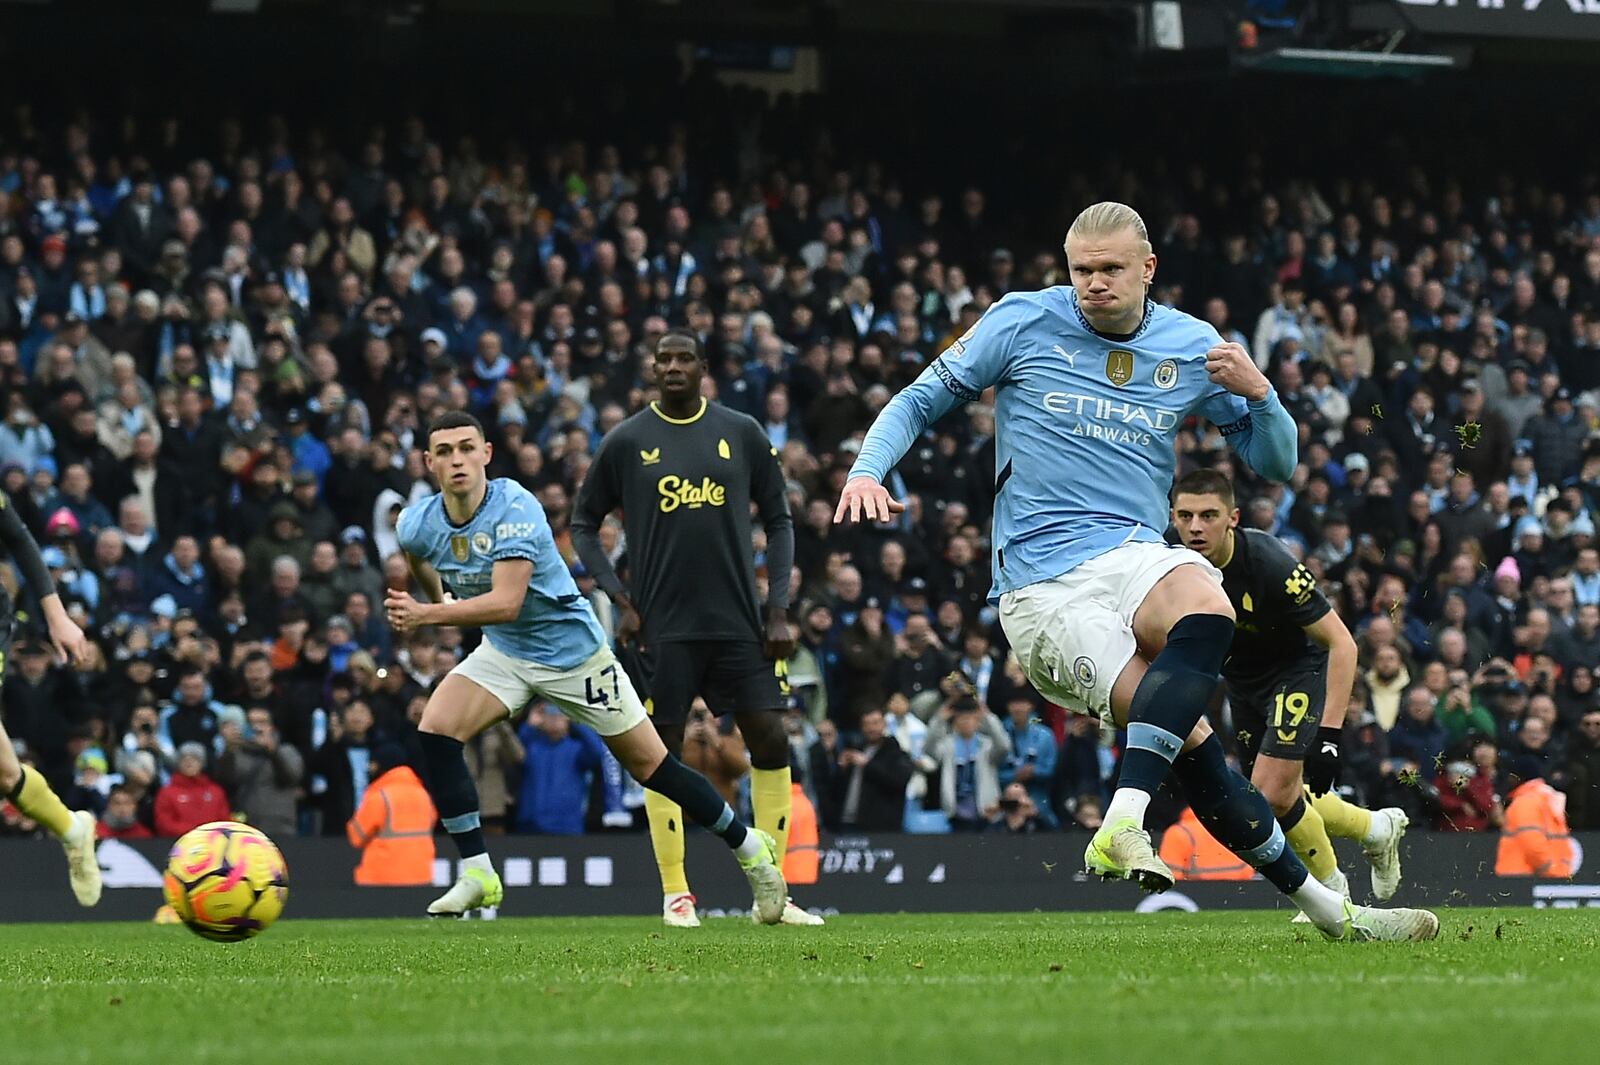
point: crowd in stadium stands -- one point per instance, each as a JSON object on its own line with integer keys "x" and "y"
{"x": 216, "y": 368}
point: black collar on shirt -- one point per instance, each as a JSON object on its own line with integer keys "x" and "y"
{"x": 1117, "y": 338}
{"x": 488, "y": 490}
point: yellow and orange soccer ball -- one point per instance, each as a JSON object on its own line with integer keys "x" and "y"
{"x": 226, "y": 881}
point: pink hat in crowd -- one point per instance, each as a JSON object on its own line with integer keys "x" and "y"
{"x": 1508, "y": 568}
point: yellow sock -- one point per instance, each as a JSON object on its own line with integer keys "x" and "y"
{"x": 666, "y": 835}
{"x": 34, "y": 798}
{"x": 1343, "y": 820}
{"x": 1309, "y": 839}
{"x": 772, "y": 797}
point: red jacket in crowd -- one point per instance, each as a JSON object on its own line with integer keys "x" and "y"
{"x": 1465, "y": 807}
{"x": 189, "y": 802}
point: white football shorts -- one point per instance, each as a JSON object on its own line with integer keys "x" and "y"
{"x": 1073, "y": 634}
{"x": 597, "y": 693}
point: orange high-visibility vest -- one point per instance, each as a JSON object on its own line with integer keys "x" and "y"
{"x": 800, "y": 862}
{"x": 1194, "y": 854}
{"x": 394, "y": 830}
{"x": 1535, "y": 840}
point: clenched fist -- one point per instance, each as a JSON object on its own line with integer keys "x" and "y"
{"x": 1231, "y": 366}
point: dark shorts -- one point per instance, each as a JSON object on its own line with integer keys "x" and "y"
{"x": 8, "y": 633}
{"x": 730, "y": 675}
{"x": 1279, "y": 715}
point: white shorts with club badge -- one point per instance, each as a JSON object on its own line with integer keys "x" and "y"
{"x": 1073, "y": 634}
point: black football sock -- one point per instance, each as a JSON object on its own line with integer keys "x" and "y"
{"x": 454, "y": 793}
{"x": 700, "y": 801}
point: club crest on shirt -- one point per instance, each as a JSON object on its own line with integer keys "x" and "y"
{"x": 459, "y": 548}
{"x": 482, "y": 542}
{"x": 1166, "y": 374}
{"x": 1119, "y": 366}
{"x": 723, "y": 450}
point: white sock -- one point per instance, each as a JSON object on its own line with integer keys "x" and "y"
{"x": 478, "y": 861}
{"x": 1321, "y": 903}
{"x": 75, "y": 834}
{"x": 1127, "y": 802}
{"x": 750, "y": 847}
{"x": 1379, "y": 829}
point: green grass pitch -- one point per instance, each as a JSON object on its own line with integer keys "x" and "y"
{"x": 1518, "y": 986}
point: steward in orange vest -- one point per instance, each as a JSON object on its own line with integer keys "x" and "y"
{"x": 1194, "y": 854}
{"x": 1535, "y": 840}
{"x": 394, "y": 826}
{"x": 800, "y": 862}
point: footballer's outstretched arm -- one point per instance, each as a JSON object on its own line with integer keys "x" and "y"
{"x": 959, "y": 375}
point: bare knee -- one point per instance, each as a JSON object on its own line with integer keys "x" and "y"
{"x": 1186, "y": 590}
{"x": 640, "y": 751}
{"x": 1197, "y": 735}
{"x": 1280, "y": 794}
{"x": 10, "y": 776}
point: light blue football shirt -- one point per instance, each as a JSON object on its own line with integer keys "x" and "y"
{"x": 556, "y": 627}
{"x": 1084, "y": 426}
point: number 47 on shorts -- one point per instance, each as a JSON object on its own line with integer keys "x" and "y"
{"x": 598, "y": 696}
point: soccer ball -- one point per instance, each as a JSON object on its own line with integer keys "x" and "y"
{"x": 227, "y": 881}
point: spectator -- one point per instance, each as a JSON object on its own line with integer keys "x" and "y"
{"x": 561, "y": 762}
{"x": 967, "y": 745}
{"x": 920, "y": 663}
{"x": 870, "y": 785}
{"x": 1583, "y": 774}
{"x": 1468, "y": 800}
{"x": 355, "y": 572}
{"x": 822, "y": 762}
{"x": 867, "y": 650}
{"x": 1417, "y": 738}
{"x": 1032, "y": 760}
{"x": 717, "y": 755}
{"x": 262, "y": 773}
{"x": 90, "y": 784}
{"x": 1556, "y": 438}
{"x": 1386, "y": 680}
{"x": 190, "y": 799}
{"x": 1016, "y": 813}
{"x": 1461, "y": 716}
{"x": 492, "y": 756}
{"x": 393, "y": 828}
{"x": 191, "y": 717}
{"x": 1535, "y": 840}
{"x": 344, "y": 764}
{"x": 121, "y": 817}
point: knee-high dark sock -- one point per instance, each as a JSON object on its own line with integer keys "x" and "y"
{"x": 1172, "y": 697}
{"x": 454, "y": 793}
{"x": 1238, "y": 815}
{"x": 700, "y": 801}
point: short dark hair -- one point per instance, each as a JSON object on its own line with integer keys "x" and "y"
{"x": 682, "y": 336}
{"x": 455, "y": 419}
{"x": 1205, "y": 483}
